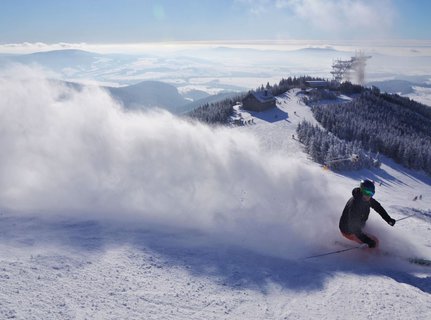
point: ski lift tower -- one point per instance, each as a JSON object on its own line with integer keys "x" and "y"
{"x": 342, "y": 69}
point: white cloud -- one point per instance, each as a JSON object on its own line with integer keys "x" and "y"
{"x": 339, "y": 17}
{"x": 356, "y": 15}
{"x": 257, "y": 7}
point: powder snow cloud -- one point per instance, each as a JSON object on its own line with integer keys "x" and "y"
{"x": 77, "y": 153}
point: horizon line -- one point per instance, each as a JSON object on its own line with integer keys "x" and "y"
{"x": 277, "y": 44}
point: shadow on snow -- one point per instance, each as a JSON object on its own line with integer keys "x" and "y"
{"x": 272, "y": 115}
{"x": 226, "y": 264}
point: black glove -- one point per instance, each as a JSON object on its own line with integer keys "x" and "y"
{"x": 371, "y": 243}
{"x": 391, "y": 222}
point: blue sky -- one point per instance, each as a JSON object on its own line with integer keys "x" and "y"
{"x": 127, "y": 21}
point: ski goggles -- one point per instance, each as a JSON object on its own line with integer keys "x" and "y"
{"x": 367, "y": 192}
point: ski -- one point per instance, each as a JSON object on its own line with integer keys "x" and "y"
{"x": 413, "y": 260}
{"x": 420, "y": 261}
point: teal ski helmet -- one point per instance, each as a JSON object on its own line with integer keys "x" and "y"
{"x": 367, "y": 187}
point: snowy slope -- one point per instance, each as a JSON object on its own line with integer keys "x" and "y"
{"x": 145, "y": 216}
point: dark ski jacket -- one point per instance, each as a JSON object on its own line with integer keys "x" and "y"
{"x": 356, "y": 213}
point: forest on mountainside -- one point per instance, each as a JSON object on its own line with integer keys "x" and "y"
{"x": 372, "y": 123}
{"x": 216, "y": 112}
{"x": 333, "y": 152}
{"x": 397, "y": 127}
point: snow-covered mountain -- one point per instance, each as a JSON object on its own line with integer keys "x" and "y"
{"x": 120, "y": 215}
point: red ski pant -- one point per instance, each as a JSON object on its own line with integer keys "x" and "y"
{"x": 353, "y": 237}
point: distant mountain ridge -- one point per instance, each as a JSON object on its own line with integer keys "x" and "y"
{"x": 397, "y": 86}
{"x": 318, "y": 49}
{"x": 57, "y": 59}
{"x": 152, "y": 94}
{"x": 148, "y": 94}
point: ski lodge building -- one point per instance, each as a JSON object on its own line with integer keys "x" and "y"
{"x": 258, "y": 101}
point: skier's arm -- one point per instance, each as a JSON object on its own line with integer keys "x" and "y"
{"x": 381, "y": 211}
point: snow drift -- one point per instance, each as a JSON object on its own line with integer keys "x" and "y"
{"x": 77, "y": 153}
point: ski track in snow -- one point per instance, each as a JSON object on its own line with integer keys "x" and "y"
{"x": 64, "y": 268}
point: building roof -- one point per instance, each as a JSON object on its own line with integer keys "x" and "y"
{"x": 263, "y": 96}
{"x": 317, "y": 83}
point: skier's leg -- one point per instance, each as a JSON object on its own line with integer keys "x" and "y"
{"x": 352, "y": 237}
{"x": 374, "y": 238}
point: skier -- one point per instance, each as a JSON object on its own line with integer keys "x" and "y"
{"x": 356, "y": 211}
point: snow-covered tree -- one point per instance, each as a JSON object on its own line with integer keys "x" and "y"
{"x": 395, "y": 126}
